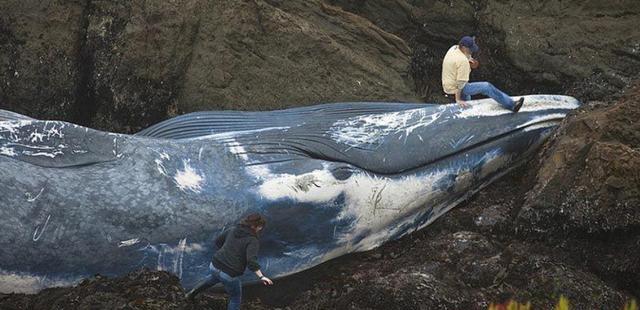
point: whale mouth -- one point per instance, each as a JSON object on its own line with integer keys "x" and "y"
{"x": 545, "y": 124}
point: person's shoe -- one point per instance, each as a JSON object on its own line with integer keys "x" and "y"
{"x": 518, "y": 105}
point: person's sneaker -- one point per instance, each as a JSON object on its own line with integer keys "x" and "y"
{"x": 518, "y": 105}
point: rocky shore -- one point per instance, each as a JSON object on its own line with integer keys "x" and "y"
{"x": 565, "y": 223}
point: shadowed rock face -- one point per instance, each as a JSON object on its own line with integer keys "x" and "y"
{"x": 587, "y": 191}
{"x": 39, "y": 55}
{"x": 143, "y": 289}
{"x": 589, "y": 49}
{"x": 124, "y": 66}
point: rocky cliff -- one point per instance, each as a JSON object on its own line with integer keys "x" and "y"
{"x": 124, "y": 65}
{"x": 589, "y": 49}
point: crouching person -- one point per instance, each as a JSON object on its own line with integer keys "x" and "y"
{"x": 237, "y": 250}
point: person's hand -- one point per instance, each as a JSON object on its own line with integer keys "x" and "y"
{"x": 463, "y": 104}
{"x": 266, "y": 281}
{"x": 474, "y": 63}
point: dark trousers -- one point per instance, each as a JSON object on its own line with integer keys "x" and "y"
{"x": 232, "y": 285}
{"x": 487, "y": 89}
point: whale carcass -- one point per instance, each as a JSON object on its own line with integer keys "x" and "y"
{"x": 331, "y": 179}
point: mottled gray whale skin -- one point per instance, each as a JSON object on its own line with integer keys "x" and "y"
{"x": 331, "y": 179}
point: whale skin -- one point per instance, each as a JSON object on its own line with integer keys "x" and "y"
{"x": 331, "y": 179}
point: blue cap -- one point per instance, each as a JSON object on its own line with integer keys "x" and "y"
{"x": 469, "y": 42}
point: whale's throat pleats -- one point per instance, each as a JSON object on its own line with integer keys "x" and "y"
{"x": 384, "y": 138}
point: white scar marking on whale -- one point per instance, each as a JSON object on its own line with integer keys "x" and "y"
{"x": 543, "y": 119}
{"x": 376, "y": 201}
{"x": 129, "y": 242}
{"x": 188, "y": 179}
{"x": 50, "y": 129}
{"x": 228, "y": 139}
{"x": 237, "y": 149}
{"x": 170, "y": 258}
{"x": 36, "y": 235}
{"x": 7, "y": 151}
{"x": 370, "y": 129}
{"x": 160, "y": 161}
{"x": 232, "y": 134}
{"x": 160, "y": 166}
{"x": 542, "y": 125}
{"x": 53, "y": 131}
{"x": 489, "y": 107}
{"x": 454, "y": 144}
{"x": 50, "y": 155}
{"x": 32, "y": 199}
{"x": 12, "y": 128}
{"x": 177, "y": 263}
{"x": 35, "y": 136}
{"x": 40, "y": 147}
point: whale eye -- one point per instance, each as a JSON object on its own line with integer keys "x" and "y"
{"x": 342, "y": 173}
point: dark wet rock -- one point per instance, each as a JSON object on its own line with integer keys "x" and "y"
{"x": 122, "y": 66}
{"x": 463, "y": 243}
{"x": 134, "y": 57}
{"x": 538, "y": 274}
{"x": 484, "y": 272}
{"x": 39, "y": 63}
{"x": 274, "y": 54}
{"x": 144, "y": 289}
{"x": 588, "y": 182}
{"x": 589, "y": 49}
{"x": 459, "y": 270}
{"x": 586, "y": 198}
{"x": 491, "y": 216}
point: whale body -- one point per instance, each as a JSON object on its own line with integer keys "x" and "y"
{"x": 330, "y": 179}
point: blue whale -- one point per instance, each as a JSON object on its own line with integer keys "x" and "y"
{"x": 331, "y": 179}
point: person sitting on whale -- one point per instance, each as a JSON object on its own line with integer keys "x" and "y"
{"x": 237, "y": 250}
{"x": 456, "y": 68}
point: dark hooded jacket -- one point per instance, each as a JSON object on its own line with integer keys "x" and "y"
{"x": 237, "y": 250}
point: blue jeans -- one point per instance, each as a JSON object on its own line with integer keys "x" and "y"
{"x": 488, "y": 90}
{"x": 232, "y": 285}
